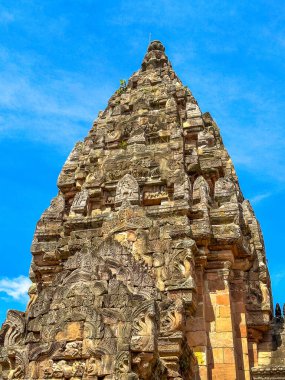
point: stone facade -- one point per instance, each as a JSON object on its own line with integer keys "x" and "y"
{"x": 149, "y": 263}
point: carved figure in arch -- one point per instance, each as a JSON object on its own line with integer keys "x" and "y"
{"x": 201, "y": 226}
{"x": 128, "y": 190}
{"x": 224, "y": 190}
{"x": 201, "y": 191}
{"x": 182, "y": 188}
{"x": 93, "y": 368}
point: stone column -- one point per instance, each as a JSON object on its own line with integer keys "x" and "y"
{"x": 254, "y": 337}
{"x": 219, "y": 316}
{"x": 196, "y": 329}
{"x": 240, "y": 327}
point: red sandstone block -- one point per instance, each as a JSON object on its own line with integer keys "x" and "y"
{"x": 229, "y": 356}
{"x": 216, "y": 284}
{"x": 209, "y": 313}
{"x": 196, "y": 324}
{"x": 197, "y": 338}
{"x": 212, "y": 276}
{"x": 224, "y": 372}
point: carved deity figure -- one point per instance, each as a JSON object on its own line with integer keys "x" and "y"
{"x": 128, "y": 190}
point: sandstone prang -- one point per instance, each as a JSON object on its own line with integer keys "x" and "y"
{"x": 149, "y": 264}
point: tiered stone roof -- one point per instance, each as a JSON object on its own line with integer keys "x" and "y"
{"x": 149, "y": 263}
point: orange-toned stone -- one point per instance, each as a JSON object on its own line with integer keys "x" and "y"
{"x": 223, "y": 324}
{"x": 203, "y": 372}
{"x": 213, "y": 298}
{"x": 218, "y": 355}
{"x": 131, "y": 236}
{"x": 224, "y": 372}
{"x": 246, "y": 362}
{"x": 224, "y": 311}
{"x": 242, "y": 331}
{"x": 221, "y": 339}
{"x": 72, "y": 331}
{"x": 223, "y": 299}
{"x": 229, "y": 356}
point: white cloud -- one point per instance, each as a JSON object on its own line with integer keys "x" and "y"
{"x": 276, "y": 278}
{"x": 16, "y": 288}
{"x": 65, "y": 94}
{"x": 55, "y": 107}
{"x": 258, "y": 198}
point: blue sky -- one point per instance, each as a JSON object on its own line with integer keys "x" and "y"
{"x": 60, "y": 61}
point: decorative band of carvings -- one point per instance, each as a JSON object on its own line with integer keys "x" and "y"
{"x": 272, "y": 370}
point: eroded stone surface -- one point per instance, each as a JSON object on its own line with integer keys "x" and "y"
{"x": 149, "y": 263}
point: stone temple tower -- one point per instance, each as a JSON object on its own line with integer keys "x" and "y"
{"x": 149, "y": 264}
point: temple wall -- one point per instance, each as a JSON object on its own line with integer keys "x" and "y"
{"x": 218, "y": 332}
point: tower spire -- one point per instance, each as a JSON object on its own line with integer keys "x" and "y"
{"x": 149, "y": 263}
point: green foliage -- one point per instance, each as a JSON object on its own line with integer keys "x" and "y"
{"x": 123, "y": 144}
{"x": 123, "y": 83}
{"x": 122, "y": 88}
{"x": 187, "y": 90}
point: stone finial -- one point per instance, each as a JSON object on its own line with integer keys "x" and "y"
{"x": 156, "y": 45}
{"x": 155, "y": 57}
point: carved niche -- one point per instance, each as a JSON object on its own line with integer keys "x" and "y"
{"x": 79, "y": 205}
{"x": 127, "y": 190}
